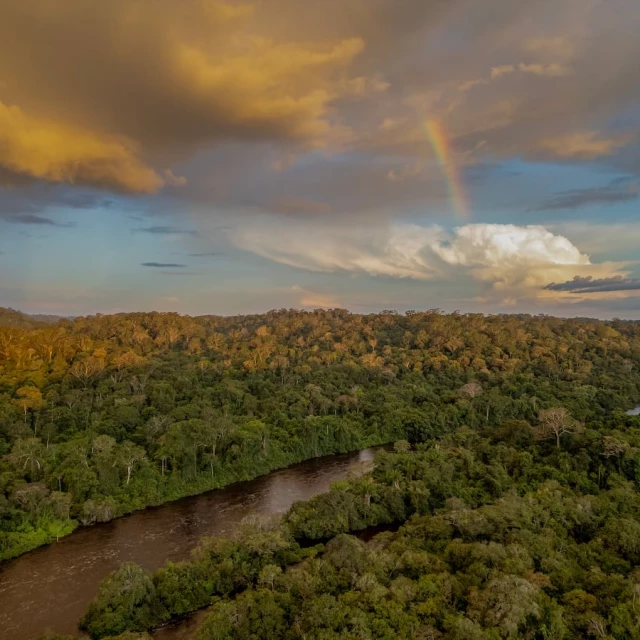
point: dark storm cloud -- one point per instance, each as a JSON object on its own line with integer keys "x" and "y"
{"x": 163, "y": 265}
{"x": 591, "y": 285}
{"x": 622, "y": 189}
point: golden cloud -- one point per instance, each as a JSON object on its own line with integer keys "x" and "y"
{"x": 59, "y": 153}
{"x": 276, "y": 88}
{"x": 162, "y": 77}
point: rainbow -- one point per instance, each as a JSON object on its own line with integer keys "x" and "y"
{"x": 442, "y": 148}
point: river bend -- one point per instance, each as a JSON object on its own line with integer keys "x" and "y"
{"x": 49, "y": 588}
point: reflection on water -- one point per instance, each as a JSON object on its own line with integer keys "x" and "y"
{"x": 50, "y": 588}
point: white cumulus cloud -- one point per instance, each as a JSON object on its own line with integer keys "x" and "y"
{"x": 506, "y": 258}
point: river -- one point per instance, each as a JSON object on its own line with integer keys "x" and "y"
{"x": 49, "y": 588}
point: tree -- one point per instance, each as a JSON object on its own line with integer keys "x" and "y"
{"x": 268, "y": 575}
{"x": 471, "y": 390}
{"x": 557, "y": 422}
{"x": 61, "y": 504}
{"x": 129, "y": 455}
{"x": 506, "y": 604}
{"x": 32, "y": 497}
{"x": 84, "y": 370}
{"x": 104, "y": 456}
{"x": 29, "y": 398}
{"x": 401, "y": 446}
{"x": 125, "y": 601}
{"x": 27, "y": 456}
{"x": 221, "y": 623}
{"x": 614, "y": 447}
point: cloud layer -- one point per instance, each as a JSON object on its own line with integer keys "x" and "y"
{"x": 590, "y": 285}
{"x": 162, "y": 77}
{"x": 56, "y": 152}
{"x": 114, "y": 95}
{"x": 623, "y": 189}
{"x": 164, "y": 265}
{"x": 504, "y": 256}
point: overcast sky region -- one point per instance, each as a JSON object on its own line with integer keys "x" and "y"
{"x": 210, "y": 156}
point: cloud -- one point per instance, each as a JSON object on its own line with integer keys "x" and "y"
{"x": 590, "y": 285}
{"x": 90, "y": 90}
{"x": 407, "y": 172}
{"x": 561, "y": 47}
{"x": 586, "y": 145}
{"x": 502, "y": 70}
{"x": 32, "y": 219}
{"x": 163, "y": 265}
{"x": 499, "y": 245}
{"x": 551, "y": 70}
{"x": 206, "y": 97}
{"x": 173, "y": 180}
{"x": 553, "y": 98}
{"x": 56, "y": 152}
{"x": 504, "y": 256}
{"x": 164, "y": 230}
{"x": 395, "y": 251}
{"x": 603, "y": 238}
{"x": 622, "y": 189}
{"x": 206, "y": 254}
{"x": 37, "y": 198}
{"x": 316, "y": 300}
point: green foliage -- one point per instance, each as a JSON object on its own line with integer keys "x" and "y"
{"x": 501, "y": 540}
{"x": 510, "y": 547}
{"x": 103, "y": 415}
{"x": 126, "y": 600}
{"x": 134, "y": 600}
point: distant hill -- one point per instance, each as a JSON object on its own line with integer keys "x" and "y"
{"x": 13, "y": 318}
{"x": 43, "y": 317}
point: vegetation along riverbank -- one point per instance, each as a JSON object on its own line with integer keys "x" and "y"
{"x": 106, "y": 414}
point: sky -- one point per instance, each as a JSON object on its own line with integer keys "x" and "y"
{"x": 222, "y": 157}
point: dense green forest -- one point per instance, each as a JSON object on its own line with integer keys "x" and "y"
{"x": 509, "y": 534}
{"x": 106, "y": 414}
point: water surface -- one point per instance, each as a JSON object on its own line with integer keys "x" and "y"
{"x": 49, "y": 588}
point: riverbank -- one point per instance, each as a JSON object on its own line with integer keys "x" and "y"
{"x": 52, "y": 586}
{"x": 173, "y": 490}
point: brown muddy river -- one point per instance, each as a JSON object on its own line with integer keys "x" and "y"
{"x": 49, "y": 588}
